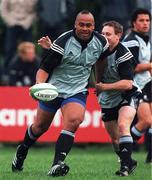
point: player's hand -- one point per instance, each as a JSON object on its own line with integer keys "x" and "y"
{"x": 99, "y": 87}
{"x": 45, "y": 42}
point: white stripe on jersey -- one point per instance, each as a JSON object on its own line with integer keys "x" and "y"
{"x": 132, "y": 43}
{"x": 123, "y": 58}
{"x": 57, "y": 48}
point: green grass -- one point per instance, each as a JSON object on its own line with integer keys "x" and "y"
{"x": 88, "y": 163}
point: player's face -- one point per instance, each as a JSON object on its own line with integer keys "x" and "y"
{"x": 84, "y": 25}
{"x": 109, "y": 33}
{"x": 142, "y": 23}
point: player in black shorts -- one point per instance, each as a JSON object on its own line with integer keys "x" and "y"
{"x": 119, "y": 96}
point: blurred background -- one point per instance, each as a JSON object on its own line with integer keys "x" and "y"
{"x": 31, "y": 19}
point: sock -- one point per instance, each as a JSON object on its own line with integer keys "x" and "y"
{"x": 29, "y": 138}
{"x": 63, "y": 145}
{"x": 135, "y": 133}
{"x": 125, "y": 145}
{"x": 116, "y": 148}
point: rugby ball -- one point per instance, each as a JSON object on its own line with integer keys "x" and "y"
{"x": 43, "y": 92}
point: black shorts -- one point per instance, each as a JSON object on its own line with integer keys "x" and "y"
{"x": 111, "y": 114}
{"x": 53, "y": 106}
{"x": 147, "y": 92}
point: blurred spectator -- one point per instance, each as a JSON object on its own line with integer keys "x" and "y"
{"x": 143, "y": 4}
{"x": 22, "y": 69}
{"x": 55, "y": 16}
{"x": 18, "y": 15}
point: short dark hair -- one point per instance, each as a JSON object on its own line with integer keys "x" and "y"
{"x": 137, "y": 12}
{"x": 84, "y": 11}
{"x": 118, "y": 28}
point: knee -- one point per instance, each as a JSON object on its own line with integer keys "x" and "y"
{"x": 148, "y": 121}
{"x": 123, "y": 129}
{"x": 73, "y": 124}
{"x": 39, "y": 128}
{"x": 145, "y": 122}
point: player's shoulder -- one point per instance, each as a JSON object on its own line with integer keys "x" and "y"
{"x": 63, "y": 38}
{"x": 60, "y": 43}
{"x": 122, "y": 49}
{"x": 130, "y": 36}
{"x": 123, "y": 53}
{"x": 130, "y": 40}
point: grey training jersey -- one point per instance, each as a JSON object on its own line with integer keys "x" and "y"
{"x": 71, "y": 75}
{"x": 137, "y": 44}
{"x": 118, "y": 67}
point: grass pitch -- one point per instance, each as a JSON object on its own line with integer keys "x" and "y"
{"x": 95, "y": 162}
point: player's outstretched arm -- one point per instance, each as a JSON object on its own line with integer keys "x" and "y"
{"x": 45, "y": 42}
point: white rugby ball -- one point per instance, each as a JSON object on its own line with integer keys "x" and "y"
{"x": 43, "y": 92}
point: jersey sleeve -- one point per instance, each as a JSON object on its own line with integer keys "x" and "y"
{"x": 51, "y": 60}
{"x": 124, "y": 59}
{"x": 133, "y": 46}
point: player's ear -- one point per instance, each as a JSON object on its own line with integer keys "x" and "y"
{"x": 93, "y": 27}
{"x": 119, "y": 35}
{"x": 134, "y": 24}
{"x": 75, "y": 25}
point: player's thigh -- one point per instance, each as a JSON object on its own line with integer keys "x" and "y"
{"x": 73, "y": 114}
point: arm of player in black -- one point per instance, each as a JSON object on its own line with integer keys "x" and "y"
{"x": 126, "y": 71}
{"x": 135, "y": 52}
{"x": 51, "y": 61}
